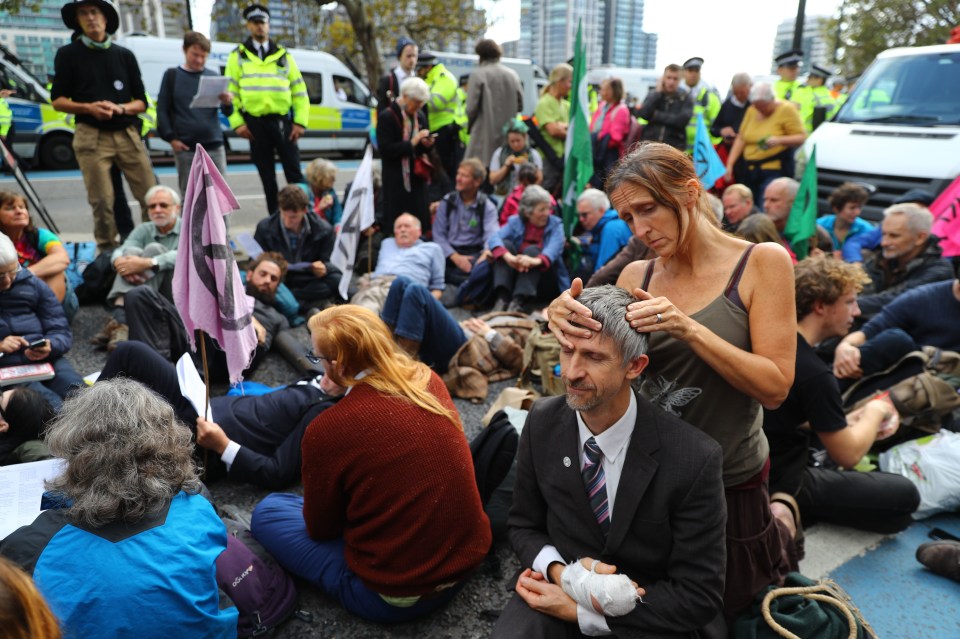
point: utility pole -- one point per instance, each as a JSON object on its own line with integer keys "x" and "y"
{"x": 798, "y": 26}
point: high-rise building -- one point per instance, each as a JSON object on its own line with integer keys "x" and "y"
{"x": 816, "y": 50}
{"x": 612, "y": 31}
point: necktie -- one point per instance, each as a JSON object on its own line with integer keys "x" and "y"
{"x": 596, "y": 483}
{"x": 261, "y": 52}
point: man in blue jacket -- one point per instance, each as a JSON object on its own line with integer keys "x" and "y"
{"x": 605, "y": 233}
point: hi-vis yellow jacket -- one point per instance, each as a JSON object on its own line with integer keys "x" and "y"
{"x": 444, "y": 98}
{"x": 266, "y": 87}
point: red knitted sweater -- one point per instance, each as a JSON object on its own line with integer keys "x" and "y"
{"x": 397, "y": 482}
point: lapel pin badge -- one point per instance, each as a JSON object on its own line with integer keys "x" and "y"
{"x": 567, "y": 462}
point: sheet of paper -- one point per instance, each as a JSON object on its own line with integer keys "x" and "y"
{"x": 21, "y": 487}
{"x": 191, "y": 386}
{"x": 208, "y": 92}
{"x": 249, "y": 244}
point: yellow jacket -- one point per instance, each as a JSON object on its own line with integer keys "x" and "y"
{"x": 271, "y": 86}
{"x": 444, "y": 98}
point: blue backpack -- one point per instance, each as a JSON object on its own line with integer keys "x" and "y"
{"x": 82, "y": 254}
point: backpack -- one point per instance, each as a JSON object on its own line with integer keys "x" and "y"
{"x": 98, "y": 278}
{"x": 922, "y": 385}
{"x": 541, "y": 358}
{"x": 634, "y": 135}
{"x": 494, "y": 452}
{"x": 262, "y": 591}
{"x": 81, "y": 255}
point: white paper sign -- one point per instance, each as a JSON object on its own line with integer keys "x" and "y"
{"x": 21, "y": 487}
{"x": 208, "y": 91}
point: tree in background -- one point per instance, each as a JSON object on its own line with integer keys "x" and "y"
{"x": 867, "y": 27}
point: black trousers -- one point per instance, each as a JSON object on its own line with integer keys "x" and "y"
{"x": 535, "y": 283}
{"x": 875, "y": 501}
{"x": 122, "y": 214}
{"x": 271, "y": 135}
{"x": 450, "y": 150}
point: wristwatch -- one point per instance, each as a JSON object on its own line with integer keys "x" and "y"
{"x": 154, "y": 264}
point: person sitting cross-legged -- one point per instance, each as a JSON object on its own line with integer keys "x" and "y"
{"x": 390, "y": 523}
{"x": 306, "y": 241}
{"x": 826, "y": 291}
{"x": 609, "y": 483}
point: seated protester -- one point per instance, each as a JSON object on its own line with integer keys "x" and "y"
{"x": 38, "y": 249}
{"x": 425, "y": 329}
{"x": 406, "y": 255}
{"x": 373, "y": 529}
{"x": 257, "y": 437}
{"x": 24, "y": 415}
{"x": 506, "y": 161}
{"x": 826, "y": 292}
{"x": 306, "y": 242}
{"x": 155, "y": 320}
{"x": 854, "y": 247}
{"x": 737, "y": 206}
{"x": 606, "y": 234}
{"x": 130, "y": 535}
{"x": 23, "y": 611}
{"x": 321, "y": 175}
{"x": 30, "y": 314}
{"x": 909, "y": 257}
{"x": 637, "y": 487}
{"x": 146, "y": 258}
{"x": 610, "y": 272}
{"x": 847, "y": 202}
{"x": 529, "y": 254}
{"x": 760, "y": 228}
{"x": 465, "y": 221}
{"x": 527, "y": 174}
{"x": 925, "y": 316}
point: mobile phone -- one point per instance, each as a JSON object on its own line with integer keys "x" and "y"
{"x": 938, "y": 534}
{"x": 433, "y": 135}
{"x": 40, "y": 343}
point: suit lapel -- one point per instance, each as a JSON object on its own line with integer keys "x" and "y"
{"x": 639, "y": 467}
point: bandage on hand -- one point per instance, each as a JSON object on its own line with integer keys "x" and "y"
{"x": 608, "y": 595}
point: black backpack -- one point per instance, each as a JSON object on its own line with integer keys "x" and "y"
{"x": 494, "y": 452}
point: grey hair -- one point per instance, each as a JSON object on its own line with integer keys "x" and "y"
{"x": 8, "y": 252}
{"x": 533, "y": 196}
{"x": 415, "y": 89}
{"x": 919, "y": 218}
{"x": 761, "y": 92}
{"x": 158, "y": 188}
{"x": 789, "y": 184}
{"x": 413, "y": 218}
{"x": 608, "y": 303}
{"x": 716, "y": 205}
{"x": 595, "y": 198}
{"x": 126, "y": 453}
{"x": 741, "y": 79}
{"x": 320, "y": 170}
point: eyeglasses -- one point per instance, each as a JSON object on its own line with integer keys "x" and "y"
{"x": 12, "y": 274}
{"x": 315, "y": 359}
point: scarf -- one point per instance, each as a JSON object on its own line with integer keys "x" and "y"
{"x": 410, "y": 129}
{"x": 93, "y": 44}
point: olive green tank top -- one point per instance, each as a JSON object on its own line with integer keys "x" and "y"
{"x": 681, "y": 383}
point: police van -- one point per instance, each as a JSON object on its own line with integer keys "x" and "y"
{"x": 340, "y": 104}
{"x": 899, "y": 129}
{"x": 42, "y": 135}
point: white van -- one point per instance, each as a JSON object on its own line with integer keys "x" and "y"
{"x": 898, "y": 130}
{"x": 336, "y": 124}
{"x": 532, "y": 77}
{"x": 637, "y": 83}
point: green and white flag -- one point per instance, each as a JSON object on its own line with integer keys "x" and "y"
{"x": 578, "y": 152}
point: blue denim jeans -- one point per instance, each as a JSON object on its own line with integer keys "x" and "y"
{"x": 415, "y": 314}
{"x": 56, "y": 390}
{"x": 278, "y": 525}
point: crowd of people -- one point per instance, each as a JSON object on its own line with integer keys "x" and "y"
{"x": 705, "y": 419}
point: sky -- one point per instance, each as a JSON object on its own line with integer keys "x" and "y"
{"x": 730, "y": 35}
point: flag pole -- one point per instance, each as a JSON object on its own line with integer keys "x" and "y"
{"x": 370, "y": 253}
{"x": 206, "y": 403}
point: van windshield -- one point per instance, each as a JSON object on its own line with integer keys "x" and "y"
{"x": 918, "y": 90}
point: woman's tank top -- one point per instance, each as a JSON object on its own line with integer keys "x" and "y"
{"x": 681, "y": 383}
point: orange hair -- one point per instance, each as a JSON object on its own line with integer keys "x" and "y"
{"x": 359, "y": 341}
{"x": 23, "y": 612}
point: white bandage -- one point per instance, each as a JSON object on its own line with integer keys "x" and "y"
{"x": 614, "y": 593}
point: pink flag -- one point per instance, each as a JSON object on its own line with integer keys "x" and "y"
{"x": 207, "y": 288}
{"x": 946, "y": 219}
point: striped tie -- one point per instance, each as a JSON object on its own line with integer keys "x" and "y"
{"x": 596, "y": 483}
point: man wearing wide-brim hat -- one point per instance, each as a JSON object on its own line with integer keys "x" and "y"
{"x": 99, "y": 82}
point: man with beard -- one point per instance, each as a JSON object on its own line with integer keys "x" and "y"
{"x": 155, "y": 321}
{"x": 664, "y": 531}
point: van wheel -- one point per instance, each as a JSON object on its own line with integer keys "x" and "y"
{"x": 56, "y": 152}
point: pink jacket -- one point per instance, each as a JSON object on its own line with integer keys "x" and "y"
{"x": 616, "y": 124}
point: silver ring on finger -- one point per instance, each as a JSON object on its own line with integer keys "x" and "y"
{"x": 659, "y": 317}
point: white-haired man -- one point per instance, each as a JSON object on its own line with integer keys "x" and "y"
{"x": 606, "y": 234}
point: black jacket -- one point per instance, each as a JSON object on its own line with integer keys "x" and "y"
{"x": 667, "y": 117}
{"x": 393, "y": 149}
{"x": 889, "y": 279}
{"x": 316, "y": 244}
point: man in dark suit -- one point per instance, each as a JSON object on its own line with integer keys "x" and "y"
{"x": 655, "y": 512}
